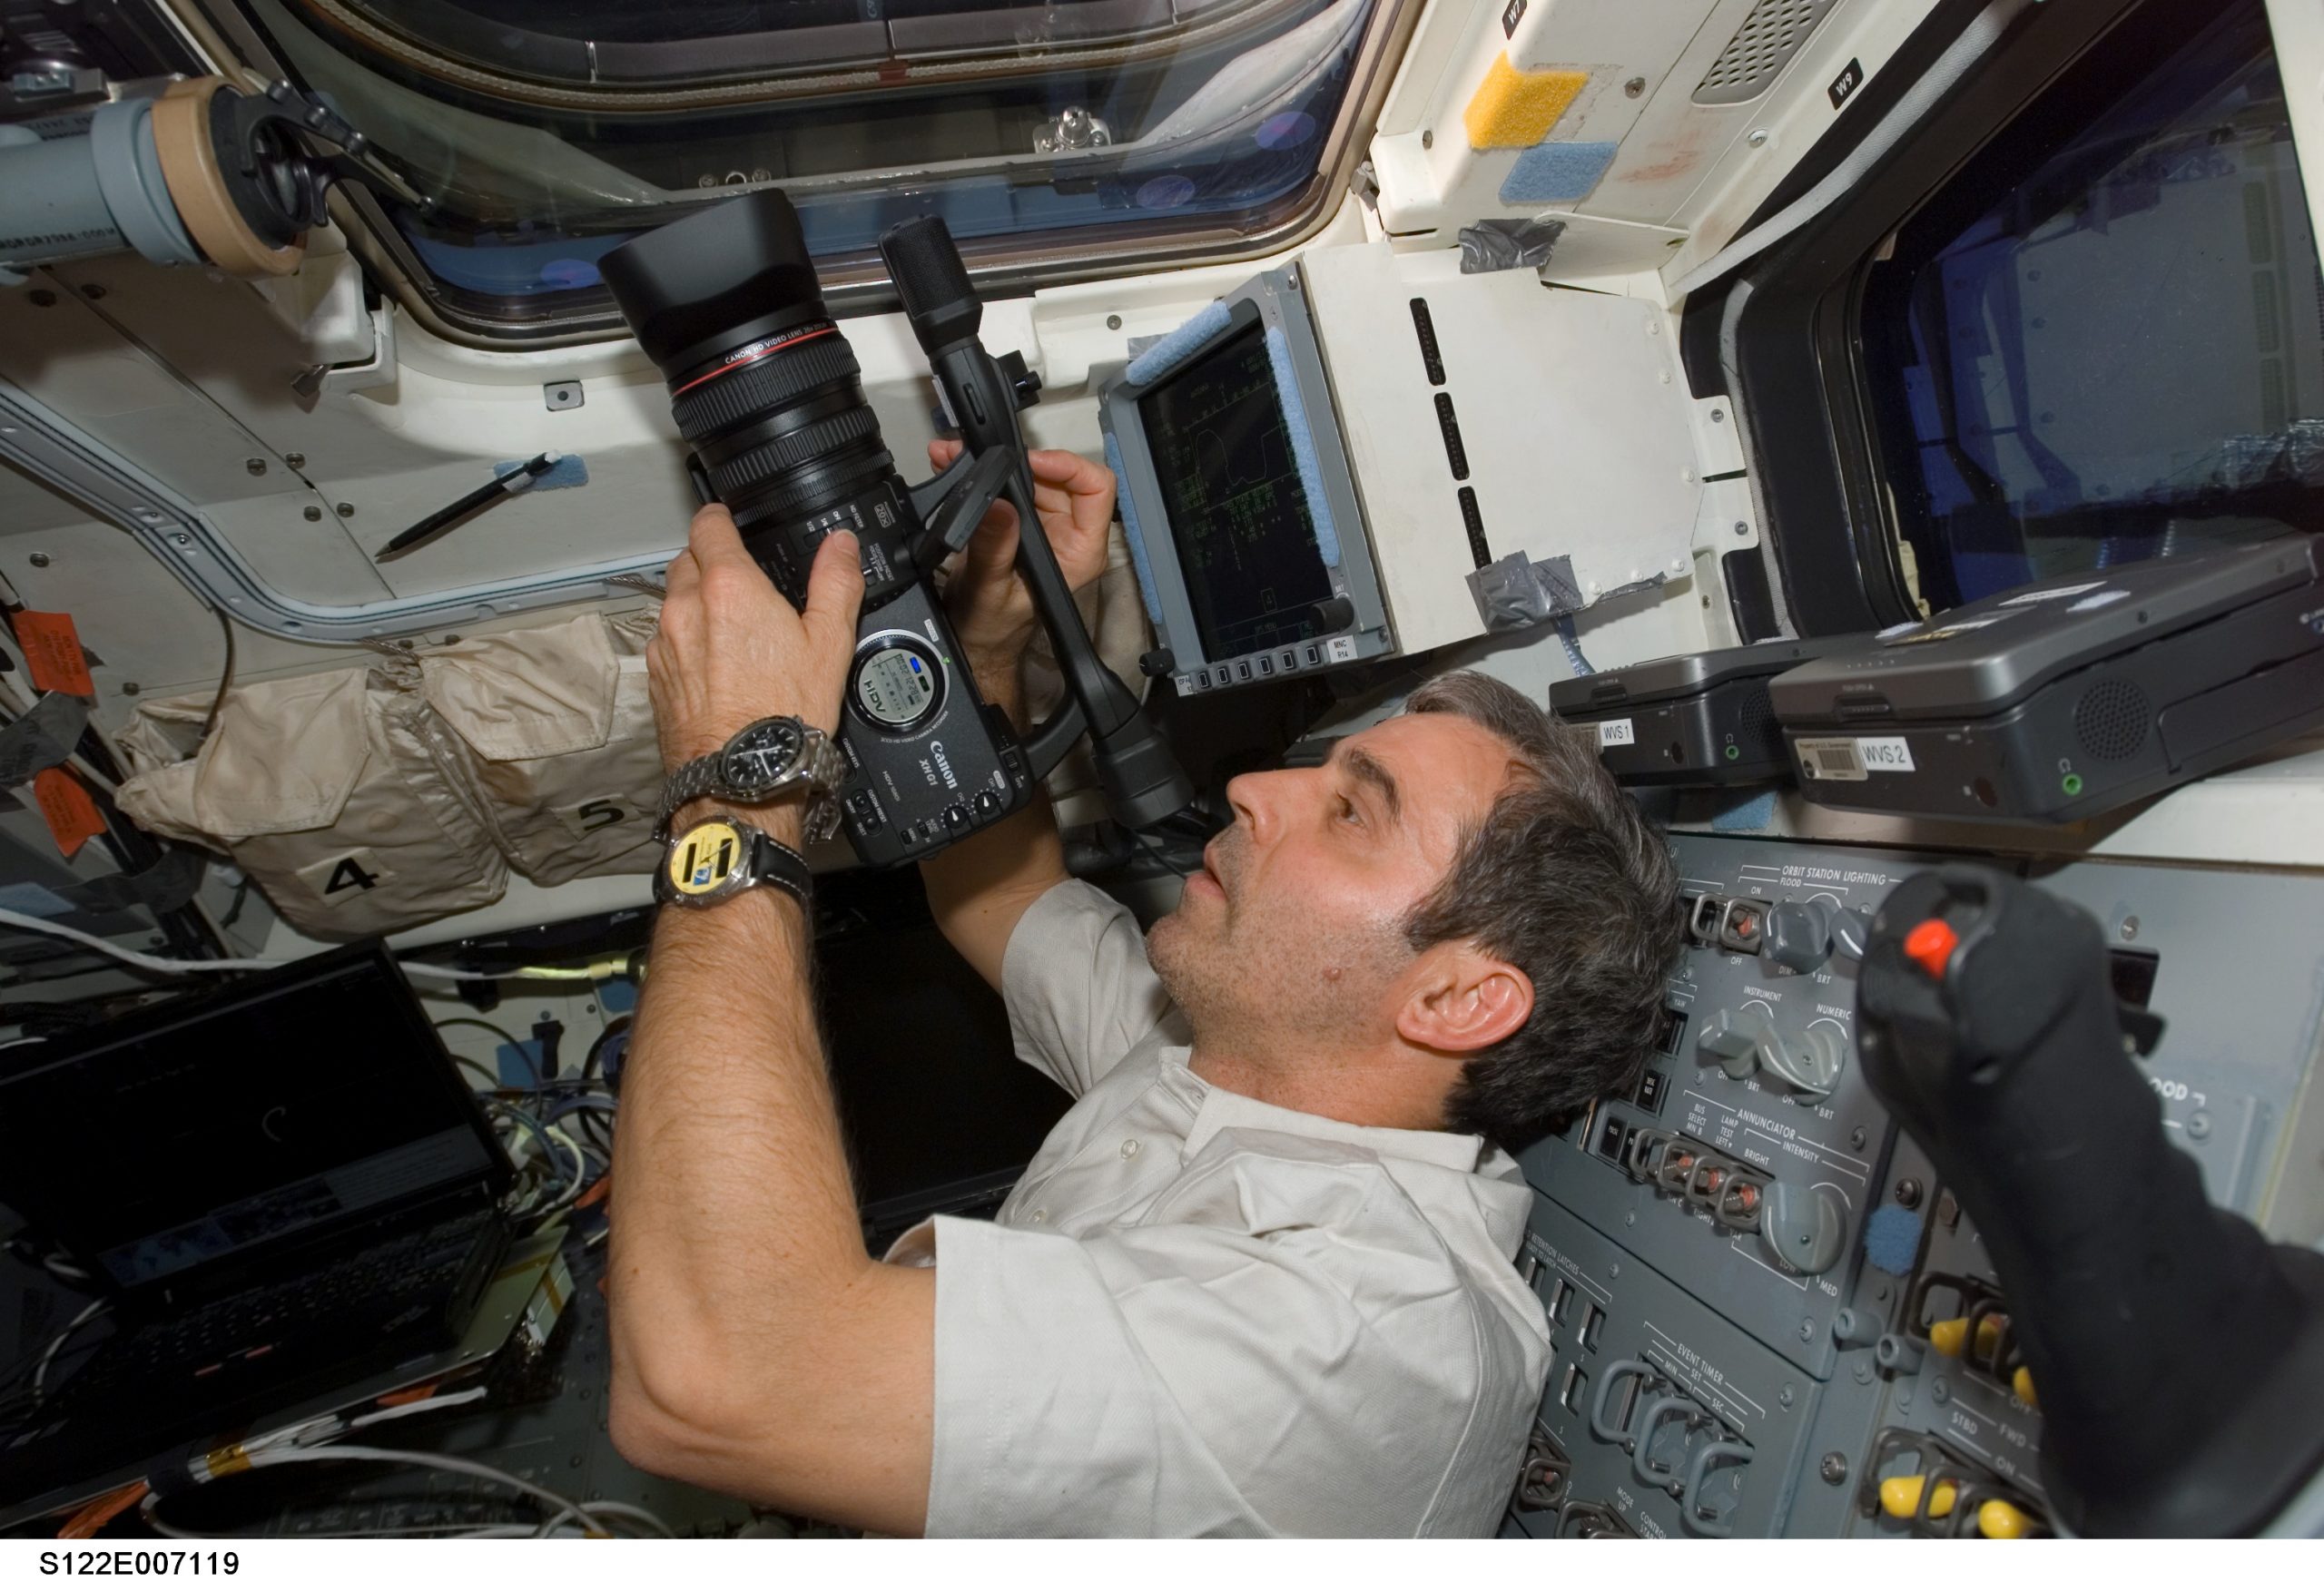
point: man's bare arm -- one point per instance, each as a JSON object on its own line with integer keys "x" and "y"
{"x": 979, "y": 888}
{"x": 756, "y": 1346}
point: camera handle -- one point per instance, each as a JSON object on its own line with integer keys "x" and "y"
{"x": 1142, "y": 780}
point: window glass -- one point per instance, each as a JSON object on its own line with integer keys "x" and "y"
{"x": 547, "y": 131}
{"x": 2105, "y": 341}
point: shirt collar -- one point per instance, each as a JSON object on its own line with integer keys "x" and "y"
{"x": 1220, "y": 1108}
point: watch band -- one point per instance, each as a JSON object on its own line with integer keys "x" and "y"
{"x": 821, "y": 768}
{"x": 718, "y": 857}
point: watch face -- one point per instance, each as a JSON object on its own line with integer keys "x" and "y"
{"x": 705, "y": 860}
{"x": 763, "y": 754}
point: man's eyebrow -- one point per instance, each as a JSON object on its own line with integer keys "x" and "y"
{"x": 1365, "y": 767}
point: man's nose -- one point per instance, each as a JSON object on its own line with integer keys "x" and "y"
{"x": 1258, "y": 800}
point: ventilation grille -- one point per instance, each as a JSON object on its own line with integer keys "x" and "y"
{"x": 1760, "y": 50}
{"x": 1757, "y": 729}
{"x": 1454, "y": 451}
{"x": 1474, "y": 521}
{"x": 1431, "y": 357}
{"x": 2111, "y": 720}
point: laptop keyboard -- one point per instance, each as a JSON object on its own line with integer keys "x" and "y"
{"x": 383, "y": 1289}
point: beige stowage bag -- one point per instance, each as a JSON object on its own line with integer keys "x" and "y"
{"x": 557, "y": 733}
{"x": 367, "y": 799}
{"x": 332, "y": 792}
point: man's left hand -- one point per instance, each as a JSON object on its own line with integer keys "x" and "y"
{"x": 731, "y": 650}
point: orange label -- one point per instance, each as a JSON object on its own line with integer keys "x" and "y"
{"x": 65, "y": 803}
{"x": 53, "y": 649}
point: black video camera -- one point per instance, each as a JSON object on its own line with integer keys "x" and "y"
{"x": 767, "y": 392}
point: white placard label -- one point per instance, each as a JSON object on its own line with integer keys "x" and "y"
{"x": 1615, "y": 733}
{"x": 1340, "y": 650}
{"x": 2039, "y": 595}
{"x": 1885, "y": 753}
{"x": 1852, "y": 757}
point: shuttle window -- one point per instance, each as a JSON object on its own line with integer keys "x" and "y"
{"x": 1052, "y": 135}
{"x": 2104, "y": 339}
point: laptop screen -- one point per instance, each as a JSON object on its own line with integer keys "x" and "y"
{"x": 298, "y": 1100}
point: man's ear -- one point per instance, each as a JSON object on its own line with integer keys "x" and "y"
{"x": 1463, "y": 1001}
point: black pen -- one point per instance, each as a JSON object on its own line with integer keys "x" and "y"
{"x": 435, "y": 522}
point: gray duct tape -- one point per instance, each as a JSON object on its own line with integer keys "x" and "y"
{"x": 1514, "y": 592}
{"x": 42, "y": 739}
{"x": 129, "y": 174}
{"x": 165, "y": 885}
{"x": 1491, "y": 245}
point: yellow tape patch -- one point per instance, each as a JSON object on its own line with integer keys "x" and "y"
{"x": 1515, "y": 109}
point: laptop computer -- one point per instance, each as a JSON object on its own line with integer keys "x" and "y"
{"x": 284, "y": 1185}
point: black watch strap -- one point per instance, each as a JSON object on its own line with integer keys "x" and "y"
{"x": 716, "y": 858}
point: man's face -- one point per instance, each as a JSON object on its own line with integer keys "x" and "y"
{"x": 1294, "y": 926}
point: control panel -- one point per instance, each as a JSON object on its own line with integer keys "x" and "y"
{"x": 1770, "y": 1317}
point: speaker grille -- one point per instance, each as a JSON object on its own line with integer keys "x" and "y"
{"x": 2112, "y": 719}
{"x": 1756, "y": 726}
{"x": 1771, "y": 35}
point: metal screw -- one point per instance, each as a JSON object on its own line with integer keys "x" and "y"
{"x": 294, "y": 458}
{"x": 1719, "y": 414}
{"x": 2129, "y": 929}
{"x": 1742, "y": 530}
{"x": 1939, "y": 1392}
{"x": 255, "y": 466}
{"x": 37, "y": 558}
{"x": 40, "y": 299}
{"x": 1113, "y": 322}
{"x": 181, "y": 539}
{"x": 1909, "y": 1193}
{"x": 1833, "y": 1469}
{"x": 1428, "y": 140}
{"x": 1614, "y": 1271}
{"x": 94, "y": 293}
{"x": 1634, "y": 87}
{"x": 1784, "y": 1397}
{"x": 2199, "y": 1125}
{"x": 1758, "y": 137}
{"x": 345, "y": 509}
{"x": 312, "y": 513}
{"x": 1807, "y": 1328}
{"x": 130, "y": 689}
{"x": 1864, "y": 1372}
{"x": 1630, "y": 1218}
{"x": 1856, "y": 1139}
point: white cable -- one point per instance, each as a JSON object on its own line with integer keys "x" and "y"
{"x": 1984, "y": 30}
{"x": 414, "y": 1408}
{"x": 40, "y": 1373}
{"x": 15, "y": 920}
{"x": 428, "y": 1458}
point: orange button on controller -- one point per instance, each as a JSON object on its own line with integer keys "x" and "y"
{"x": 1930, "y": 945}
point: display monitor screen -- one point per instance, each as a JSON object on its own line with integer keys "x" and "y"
{"x": 1238, "y": 514}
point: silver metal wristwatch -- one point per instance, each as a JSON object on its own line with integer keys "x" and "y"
{"x": 767, "y": 761}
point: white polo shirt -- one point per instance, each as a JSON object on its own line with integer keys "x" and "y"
{"x": 1202, "y": 1315}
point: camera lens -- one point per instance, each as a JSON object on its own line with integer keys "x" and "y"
{"x": 763, "y": 385}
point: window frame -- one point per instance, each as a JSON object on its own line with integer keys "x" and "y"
{"x": 856, "y": 283}
{"x": 1787, "y": 325}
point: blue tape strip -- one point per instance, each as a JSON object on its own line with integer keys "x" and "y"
{"x": 1129, "y": 531}
{"x": 566, "y": 472}
{"x": 1557, "y": 173}
{"x": 1302, "y": 446}
{"x": 1177, "y": 345}
{"x": 1747, "y": 817}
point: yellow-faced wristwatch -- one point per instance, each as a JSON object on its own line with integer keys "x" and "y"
{"x": 721, "y": 857}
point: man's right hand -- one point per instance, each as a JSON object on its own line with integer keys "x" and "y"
{"x": 992, "y": 610}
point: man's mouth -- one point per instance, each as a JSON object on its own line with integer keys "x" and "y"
{"x": 1210, "y": 866}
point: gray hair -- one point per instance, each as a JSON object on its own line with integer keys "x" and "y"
{"x": 1567, "y": 880}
